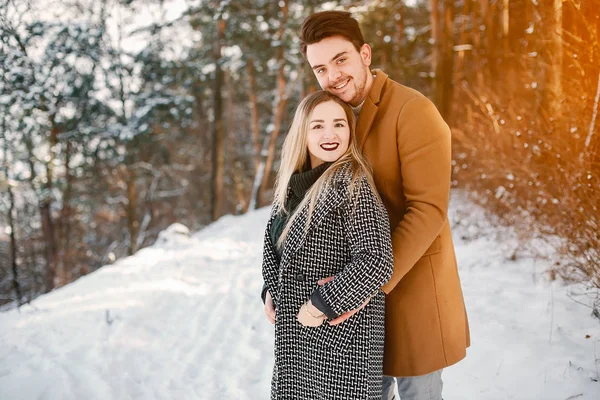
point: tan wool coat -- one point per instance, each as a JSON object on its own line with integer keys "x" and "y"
{"x": 408, "y": 145}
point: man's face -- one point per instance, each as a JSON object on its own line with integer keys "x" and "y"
{"x": 340, "y": 69}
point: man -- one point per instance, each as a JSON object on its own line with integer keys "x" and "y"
{"x": 408, "y": 145}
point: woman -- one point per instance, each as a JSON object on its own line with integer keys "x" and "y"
{"x": 327, "y": 220}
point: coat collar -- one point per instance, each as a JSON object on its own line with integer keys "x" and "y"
{"x": 298, "y": 233}
{"x": 301, "y": 182}
{"x": 370, "y": 107}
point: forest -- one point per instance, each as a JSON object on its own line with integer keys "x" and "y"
{"x": 121, "y": 117}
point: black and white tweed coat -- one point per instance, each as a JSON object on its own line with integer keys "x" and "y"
{"x": 342, "y": 362}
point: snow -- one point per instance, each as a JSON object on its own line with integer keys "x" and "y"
{"x": 183, "y": 319}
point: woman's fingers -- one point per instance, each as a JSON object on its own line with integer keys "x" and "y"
{"x": 324, "y": 281}
{"x": 270, "y": 308}
{"x": 270, "y": 315}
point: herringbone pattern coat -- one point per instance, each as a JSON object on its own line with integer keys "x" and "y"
{"x": 342, "y": 362}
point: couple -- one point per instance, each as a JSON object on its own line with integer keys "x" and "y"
{"x": 359, "y": 267}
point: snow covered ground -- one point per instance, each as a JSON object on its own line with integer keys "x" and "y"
{"x": 183, "y": 320}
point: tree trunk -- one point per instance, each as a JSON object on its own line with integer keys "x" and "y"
{"x": 444, "y": 72}
{"x": 436, "y": 48}
{"x": 233, "y": 149}
{"x": 399, "y": 43}
{"x": 463, "y": 39}
{"x": 516, "y": 37}
{"x": 11, "y": 221}
{"x": 280, "y": 105}
{"x": 218, "y": 156}
{"x": 555, "y": 63}
{"x": 240, "y": 188}
{"x": 13, "y": 243}
{"x": 477, "y": 46}
{"x": 48, "y": 225}
{"x": 508, "y": 75}
{"x": 505, "y": 28}
{"x": 64, "y": 232}
{"x": 50, "y": 241}
{"x": 487, "y": 11}
{"x": 592, "y": 128}
{"x": 253, "y": 204}
{"x": 254, "y": 110}
{"x": 132, "y": 222}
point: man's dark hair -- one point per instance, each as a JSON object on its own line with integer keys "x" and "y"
{"x": 322, "y": 25}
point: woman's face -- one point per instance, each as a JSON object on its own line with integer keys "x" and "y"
{"x": 328, "y": 133}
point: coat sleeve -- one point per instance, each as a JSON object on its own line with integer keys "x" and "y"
{"x": 270, "y": 264}
{"x": 424, "y": 150}
{"x": 367, "y": 231}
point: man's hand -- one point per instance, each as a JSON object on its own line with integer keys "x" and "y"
{"x": 324, "y": 281}
{"x": 346, "y": 315}
{"x": 270, "y": 308}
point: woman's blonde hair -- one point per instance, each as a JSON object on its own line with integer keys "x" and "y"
{"x": 295, "y": 158}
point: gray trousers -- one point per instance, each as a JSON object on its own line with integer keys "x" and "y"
{"x": 424, "y": 387}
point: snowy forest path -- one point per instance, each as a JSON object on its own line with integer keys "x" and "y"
{"x": 183, "y": 319}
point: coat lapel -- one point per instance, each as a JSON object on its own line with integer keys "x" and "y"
{"x": 365, "y": 120}
{"x": 298, "y": 235}
{"x": 269, "y": 246}
{"x": 369, "y": 108}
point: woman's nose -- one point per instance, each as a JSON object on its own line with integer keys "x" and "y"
{"x": 328, "y": 133}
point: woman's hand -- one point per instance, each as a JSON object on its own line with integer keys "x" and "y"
{"x": 310, "y": 315}
{"x": 269, "y": 308}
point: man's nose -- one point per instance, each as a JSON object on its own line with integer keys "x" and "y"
{"x": 334, "y": 74}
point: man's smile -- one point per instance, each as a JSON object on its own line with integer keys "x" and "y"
{"x": 341, "y": 85}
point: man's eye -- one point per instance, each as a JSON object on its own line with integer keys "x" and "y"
{"x": 341, "y": 60}
{"x": 320, "y": 70}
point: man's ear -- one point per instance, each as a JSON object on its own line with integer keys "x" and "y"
{"x": 365, "y": 54}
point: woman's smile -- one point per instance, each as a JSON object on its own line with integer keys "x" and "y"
{"x": 330, "y": 146}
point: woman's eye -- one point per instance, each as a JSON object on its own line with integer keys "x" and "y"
{"x": 317, "y": 127}
{"x": 339, "y": 125}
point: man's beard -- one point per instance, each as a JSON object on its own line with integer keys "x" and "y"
{"x": 359, "y": 92}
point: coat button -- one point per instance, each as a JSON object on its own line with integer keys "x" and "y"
{"x": 300, "y": 277}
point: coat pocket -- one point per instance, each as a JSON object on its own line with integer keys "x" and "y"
{"x": 337, "y": 338}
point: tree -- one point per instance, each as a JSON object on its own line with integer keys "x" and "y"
{"x": 218, "y": 129}
{"x": 281, "y": 100}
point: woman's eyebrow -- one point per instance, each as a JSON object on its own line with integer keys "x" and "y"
{"x": 322, "y": 121}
